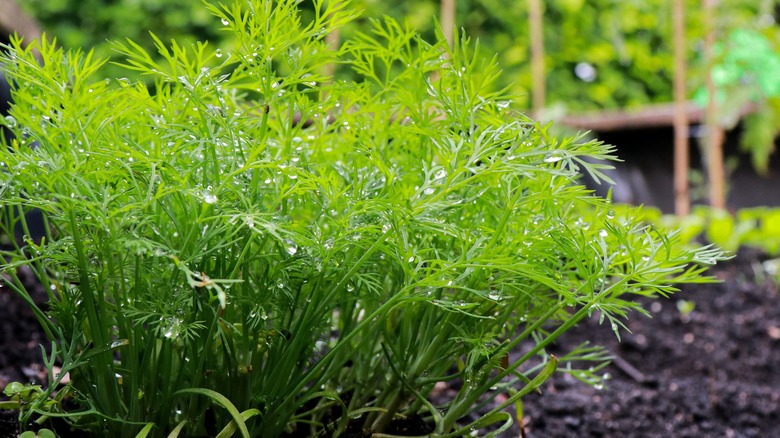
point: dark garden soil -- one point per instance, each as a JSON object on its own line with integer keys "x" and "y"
{"x": 713, "y": 373}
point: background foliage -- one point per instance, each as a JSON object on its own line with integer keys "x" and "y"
{"x": 626, "y": 43}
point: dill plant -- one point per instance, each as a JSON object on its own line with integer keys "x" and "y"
{"x": 252, "y": 247}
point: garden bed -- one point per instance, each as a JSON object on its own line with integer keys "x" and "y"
{"x": 710, "y": 373}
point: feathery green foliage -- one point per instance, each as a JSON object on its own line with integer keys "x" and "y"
{"x": 270, "y": 252}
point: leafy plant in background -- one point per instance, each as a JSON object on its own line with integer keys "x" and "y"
{"x": 624, "y": 45}
{"x": 252, "y": 247}
{"x": 91, "y": 23}
{"x": 757, "y": 227}
{"x": 600, "y": 53}
{"x": 747, "y": 71}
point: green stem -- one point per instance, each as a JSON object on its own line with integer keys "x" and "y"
{"x": 102, "y": 363}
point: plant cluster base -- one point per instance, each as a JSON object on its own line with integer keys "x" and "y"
{"x": 710, "y": 373}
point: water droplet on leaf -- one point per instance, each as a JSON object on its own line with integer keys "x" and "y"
{"x": 553, "y": 157}
{"x": 291, "y": 247}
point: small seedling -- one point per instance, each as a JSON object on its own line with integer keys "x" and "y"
{"x": 19, "y": 395}
{"x": 685, "y": 307}
{"x": 42, "y": 433}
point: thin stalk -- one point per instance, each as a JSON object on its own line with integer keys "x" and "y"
{"x": 457, "y": 410}
{"x": 397, "y": 396}
{"x": 714, "y": 132}
{"x": 448, "y": 21}
{"x": 535, "y": 24}
{"x": 385, "y": 308}
{"x": 459, "y": 406}
{"x": 681, "y": 156}
{"x": 103, "y": 367}
{"x": 45, "y": 322}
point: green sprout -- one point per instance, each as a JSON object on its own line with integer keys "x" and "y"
{"x": 685, "y": 307}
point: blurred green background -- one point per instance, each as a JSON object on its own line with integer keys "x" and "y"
{"x": 621, "y": 49}
{"x": 600, "y": 54}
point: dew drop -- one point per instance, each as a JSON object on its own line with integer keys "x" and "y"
{"x": 184, "y": 81}
{"x": 208, "y": 197}
{"x": 290, "y": 246}
{"x": 553, "y": 157}
{"x": 225, "y": 22}
{"x": 611, "y": 214}
{"x": 119, "y": 343}
{"x": 172, "y": 328}
{"x": 429, "y": 191}
{"x": 218, "y": 53}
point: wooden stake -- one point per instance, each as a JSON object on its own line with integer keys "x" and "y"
{"x": 332, "y": 41}
{"x": 535, "y": 14}
{"x": 682, "y": 202}
{"x": 448, "y": 21}
{"x": 714, "y": 132}
{"x": 14, "y": 19}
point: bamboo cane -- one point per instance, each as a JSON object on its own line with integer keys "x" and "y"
{"x": 332, "y": 41}
{"x": 448, "y": 20}
{"x": 714, "y": 132}
{"x": 682, "y": 202}
{"x": 535, "y": 13}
